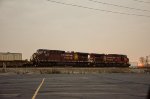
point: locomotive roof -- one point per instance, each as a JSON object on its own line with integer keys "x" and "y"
{"x": 50, "y": 50}
{"x": 116, "y": 54}
{"x": 96, "y": 54}
{"x": 81, "y": 53}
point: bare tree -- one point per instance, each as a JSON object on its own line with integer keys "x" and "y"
{"x": 142, "y": 60}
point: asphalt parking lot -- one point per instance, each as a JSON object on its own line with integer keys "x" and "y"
{"x": 75, "y": 86}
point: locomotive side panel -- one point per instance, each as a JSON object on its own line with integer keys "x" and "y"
{"x": 97, "y": 59}
{"x": 108, "y": 60}
{"x": 47, "y": 57}
{"x": 81, "y": 59}
{"x": 116, "y": 60}
{"x": 75, "y": 59}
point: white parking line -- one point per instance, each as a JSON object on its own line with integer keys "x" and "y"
{"x": 37, "y": 90}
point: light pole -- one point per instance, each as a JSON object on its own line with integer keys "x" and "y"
{"x": 147, "y": 61}
{"x": 4, "y": 67}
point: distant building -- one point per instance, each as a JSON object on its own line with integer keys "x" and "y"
{"x": 10, "y": 56}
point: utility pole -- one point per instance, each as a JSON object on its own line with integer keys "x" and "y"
{"x": 146, "y": 61}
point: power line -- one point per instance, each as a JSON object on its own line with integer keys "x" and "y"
{"x": 118, "y": 5}
{"x": 141, "y": 1}
{"x": 80, "y": 6}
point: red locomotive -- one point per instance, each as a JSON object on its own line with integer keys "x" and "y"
{"x": 44, "y": 57}
{"x": 109, "y": 60}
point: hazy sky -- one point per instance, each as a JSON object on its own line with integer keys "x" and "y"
{"x": 28, "y": 25}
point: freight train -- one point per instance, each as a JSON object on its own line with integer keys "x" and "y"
{"x": 45, "y": 57}
{"x": 49, "y": 58}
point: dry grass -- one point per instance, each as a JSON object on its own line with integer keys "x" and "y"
{"x": 69, "y": 70}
